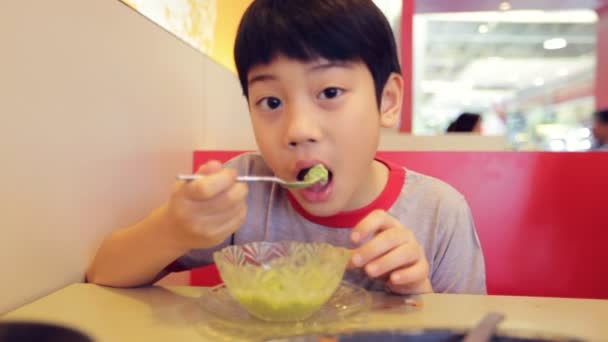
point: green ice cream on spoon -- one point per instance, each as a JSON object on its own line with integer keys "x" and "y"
{"x": 316, "y": 174}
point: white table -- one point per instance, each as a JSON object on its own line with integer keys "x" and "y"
{"x": 175, "y": 314}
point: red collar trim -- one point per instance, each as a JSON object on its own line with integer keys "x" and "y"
{"x": 348, "y": 219}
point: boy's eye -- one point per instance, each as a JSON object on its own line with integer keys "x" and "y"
{"x": 269, "y": 103}
{"x": 330, "y": 93}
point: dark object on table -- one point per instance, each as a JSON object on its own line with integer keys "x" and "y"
{"x": 39, "y": 332}
{"x": 428, "y": 335}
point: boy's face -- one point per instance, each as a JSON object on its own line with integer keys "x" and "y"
{"x": 304, "y": 113}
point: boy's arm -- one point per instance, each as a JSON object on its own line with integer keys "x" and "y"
{"x": 459, "y": 263}
{"x": 200, "y": 214}
{"x": 136, "y": 255}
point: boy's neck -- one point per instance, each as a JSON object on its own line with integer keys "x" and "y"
{"x": 372, "y": 188}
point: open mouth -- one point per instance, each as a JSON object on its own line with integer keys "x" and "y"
{"x": 318, "y": 191}
{"x": 302, "y": 174}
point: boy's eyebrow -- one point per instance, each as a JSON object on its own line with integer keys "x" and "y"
{"x": 261, "y": 78}
{"x": 330, "y": 64}
{"x": 316, "y": 67}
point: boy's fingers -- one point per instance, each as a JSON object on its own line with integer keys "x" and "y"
{"x": 214, "y": 230}
{"x": 402, "y": 256}
{"x": 234, "y": 195}
{"x": 233, "y": 223}
{"x": 377, "y": 220}
{"x": 211, "y": 221}
{"x": 211, "y": 166}
{"x": 211, "y": 185}
{"x": 381, "y": 244}
{"x": 350, "y": 264}
{"x": 412, "y": 275}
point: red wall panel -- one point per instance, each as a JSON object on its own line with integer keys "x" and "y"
{"x": 407, "y": 64}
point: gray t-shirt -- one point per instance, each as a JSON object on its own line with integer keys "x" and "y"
{"x": 437, "y": 214}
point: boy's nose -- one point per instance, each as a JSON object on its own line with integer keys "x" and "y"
{"x": 301, "y": 129}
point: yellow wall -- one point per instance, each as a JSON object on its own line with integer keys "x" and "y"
{"x": 208, "y": 25}
{"x": 228, "y": 18}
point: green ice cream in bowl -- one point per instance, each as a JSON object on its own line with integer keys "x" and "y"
{"x": 282, "y": 281}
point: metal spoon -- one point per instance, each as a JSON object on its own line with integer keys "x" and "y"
{"x": 282, "y": 182}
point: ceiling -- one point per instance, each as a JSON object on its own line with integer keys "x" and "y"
{"x": 455, "y": 47}
{"x": 435, "y": 6}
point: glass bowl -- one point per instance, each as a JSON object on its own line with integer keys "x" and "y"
{"x": 224, "y": 319}
{"x": 282, "y": 281}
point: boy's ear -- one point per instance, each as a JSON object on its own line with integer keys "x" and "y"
{"x": 392, "y": 97}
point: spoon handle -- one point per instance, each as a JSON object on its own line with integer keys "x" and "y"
{"x": 186, "y": 177}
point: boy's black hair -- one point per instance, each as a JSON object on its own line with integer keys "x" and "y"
{"x": 602, "y": 116}
{"x": 336, "y": 30}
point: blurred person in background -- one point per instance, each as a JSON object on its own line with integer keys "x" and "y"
{"x": 466, "y": 122}
{"x": 600, "y": 130}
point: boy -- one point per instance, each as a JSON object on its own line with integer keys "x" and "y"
{"x": 321, "y": 78}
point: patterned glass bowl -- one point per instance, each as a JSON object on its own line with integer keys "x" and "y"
{"x": 282, "y": 281}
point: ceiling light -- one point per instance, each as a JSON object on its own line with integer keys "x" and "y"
{"x": 497, "y": 98}
{"x": 513, "y": 79}
{"x": 433, "y": 86}
{"x": 557, "y": 145}
{"x": 583, "y": 133}
{"x": 519, "y": 16}
{"x": 504, "y": 6}
{"x": 563, "y": 72}
{"x": 483, "y": 29}
{"x": 555, "y": 43}
{"x": 585, "y": 145}
{"x": 495, "y": 59}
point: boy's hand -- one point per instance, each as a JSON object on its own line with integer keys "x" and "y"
{"x": 204, "y": 212}
{"x": 392, "y": 251}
